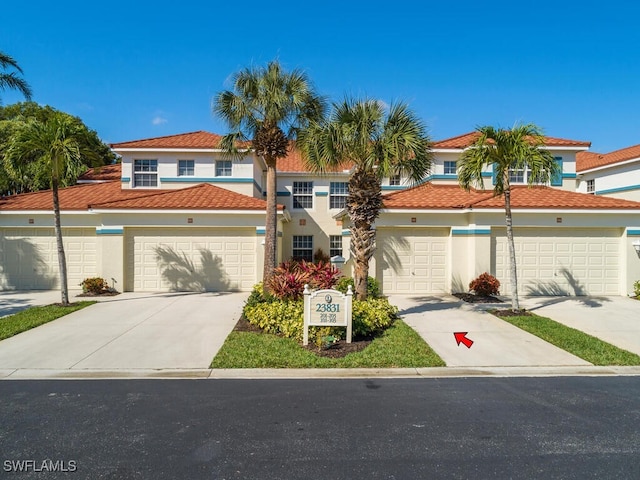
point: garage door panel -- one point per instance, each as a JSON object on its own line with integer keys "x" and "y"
{"x": 575, "y": 261}
{"x": 29, "y": 257}
{"x": 187, "y": 259}
{"x": 412, "y": 260}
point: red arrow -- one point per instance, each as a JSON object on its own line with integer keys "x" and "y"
{"x": 461, "y": 337}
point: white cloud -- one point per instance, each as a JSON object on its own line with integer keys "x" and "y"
{"x": 159, "y": 120}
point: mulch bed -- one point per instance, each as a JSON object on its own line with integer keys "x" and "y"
{"x": 103, "y": 294}
{"x": 473, "y": 298}
{"x": 337, "y": 350}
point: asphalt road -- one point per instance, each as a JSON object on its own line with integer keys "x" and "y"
{"x": 493, "y": 428}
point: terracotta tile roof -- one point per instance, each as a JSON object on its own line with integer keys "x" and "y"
{"x": 110, "y": 195}
{"x": 200, "y": 139}
{"x": 589, "y": 160}
{"x": 294, "y": 163}
{"x": 433, "y": 197}
{"x": 199, "y": 197}
{"x": 102, "y": 174}
{"x": 463, "y": 141}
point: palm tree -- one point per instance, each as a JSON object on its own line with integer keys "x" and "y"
{"x": 267, "y": 108}
{"x": 12, "y": 79}
{"x": 375, "y": 143}
{"x": 54, "y": 146}
{"x": 518, "y": 148}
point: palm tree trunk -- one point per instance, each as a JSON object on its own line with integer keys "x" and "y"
{"x": 62, "y": 261}
{"x": 515, "y": 303}
{"x": 271, "y": 227}
{"x": 362, "y": 247}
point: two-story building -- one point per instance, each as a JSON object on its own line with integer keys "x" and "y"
{"x": 177, "y": 214}
{"x": 615, "y": 174}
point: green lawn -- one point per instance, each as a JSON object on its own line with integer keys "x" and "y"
{"x": 399, "y": 346}
{"x": 578, "y": 343}
{"x": 34, "y": 317}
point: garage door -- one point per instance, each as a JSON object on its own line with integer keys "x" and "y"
{"x": 412, "y": 260}
{"x": 190, "y": 259}
{"x": 560, "y": 261}
{"x": 29, "y": 257}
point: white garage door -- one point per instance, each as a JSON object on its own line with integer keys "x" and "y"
{"x": 559, "y": 261}
{"x": 190, "y": 259}
{"x": 29, "y": 257}
{"x": 412, "y": 260}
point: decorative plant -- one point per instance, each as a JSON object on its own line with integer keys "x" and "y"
{"x": 320, "y": 257}
{"x": 289, "y": 279}
{"x": 486, "y": 284}
{"x": 373, "y": 288}
{"x": 95, "y": 285}
{"x": 636, "y": 289}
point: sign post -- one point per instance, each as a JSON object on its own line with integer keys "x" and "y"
{"x": 327, "y": 308}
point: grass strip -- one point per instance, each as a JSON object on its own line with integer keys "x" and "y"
{"x": 36, "y": 316}
{"x": 398, "y": 347}
{"x": 580, "y": 344}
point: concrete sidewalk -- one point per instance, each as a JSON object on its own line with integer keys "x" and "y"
{"x": 496, "y": 343}
{"x": 130, "y": 331}
{"x": 615, "y": 320}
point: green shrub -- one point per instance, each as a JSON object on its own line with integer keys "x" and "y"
{"x": 373, "y": 287}
{"x": 486, "y": 284}
{"x": 286, "y": 317}
{"x": 373, "y": 316}
{"x": 94, "y": 285}
{"x": 636, "y": 289}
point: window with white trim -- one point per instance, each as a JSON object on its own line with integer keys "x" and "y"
{"x": 223, "y": 168}
{"x": 303, "y": 247}
{"x": 450, "y": 168}
{"x": 394, "y": 180}
{"x": 591, "y": 186}
{"x": 186, "y": 168}
{"x": 338, "y": 192}
{"x": 302, "y": 194}
{"x": 335, "y": 245}
{"x": 145, "y": 173}
{"x": 516, "y": 175}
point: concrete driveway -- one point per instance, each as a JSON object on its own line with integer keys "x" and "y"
{"x": 496, "y": 343}
{"x": 615, "y": 320}
{"x": 129, "y": 331}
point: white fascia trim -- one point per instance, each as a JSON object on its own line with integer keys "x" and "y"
{"x": 610, "y": 165}
{"x": 447, "y": 150}
{"x": 162, "y": 212}
{"x": 45, "y": 212}
{"x": 556, "y": 147}
{"x": 429, "y": 211}
{"x": 172, "y": 150}
{"x": 553, "y": 211}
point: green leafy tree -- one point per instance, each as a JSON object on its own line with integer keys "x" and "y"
{"x": 521, "y": 147}
{"x": 375, "y": 143}
{"x": 12, "y": 79}
{"x": 265, "y": 110}
{"x": 53, "y": 147}
{"x": 33, "y": 178}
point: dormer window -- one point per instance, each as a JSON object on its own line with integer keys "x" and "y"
{"x": 591, "y": 186}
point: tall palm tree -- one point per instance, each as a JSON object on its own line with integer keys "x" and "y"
{"x": 375, "y": 143}
{"x": 518, "y": 148}
{"x": 54, "y": 146}
{"x": 266, "y": 108}
{"x": 13, "y": 80}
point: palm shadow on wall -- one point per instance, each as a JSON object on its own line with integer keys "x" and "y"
{"x": 182, "y": 274}
{"x": 27, "y": 269}
{"x": 390, "y": 258}
{"x": 574, "y": 288}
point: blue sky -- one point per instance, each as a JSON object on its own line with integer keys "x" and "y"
{"x": 135, "y": 70}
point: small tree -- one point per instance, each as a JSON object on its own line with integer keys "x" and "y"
{"x": 519, "y": 148}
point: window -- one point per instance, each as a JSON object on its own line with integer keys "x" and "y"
{"x": 591, "y": 186}
{"x": 516, "y": 175}
{"x": 223, "y": 168}
{"x": 302, "y": 194}
{"x": 145, "y": 173}
{"x": 303, "y": 247}
{"x": 185, "y": 168}
{"x": 338, "y": 192}
{"x": 449, "y": 168}
{"x": 394, "y": 180}
{"x": 335, "y": 245}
